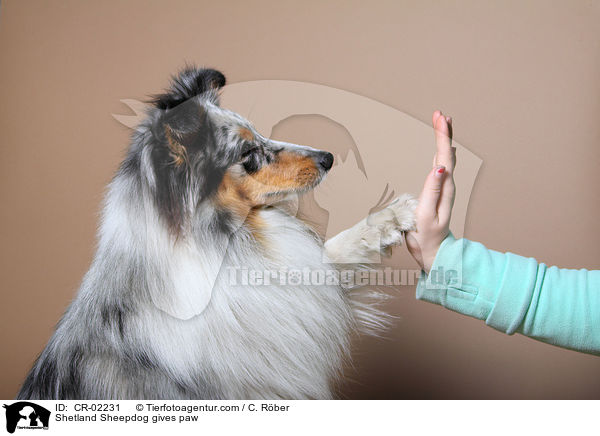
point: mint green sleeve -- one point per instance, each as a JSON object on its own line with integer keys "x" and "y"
{"x": 516, "y": 294}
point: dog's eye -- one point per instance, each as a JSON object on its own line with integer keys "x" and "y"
{"x": 249, "y": 152}
{"x": 252, "y": 163}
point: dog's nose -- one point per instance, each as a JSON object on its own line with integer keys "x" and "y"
{"x": 326, "y": 161}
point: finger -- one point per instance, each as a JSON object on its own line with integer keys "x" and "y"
{"x": 435, "y": 116}
{"x": 448, "y": 192}
{"x": 453, "y": 150}
{"x": 446, "y": 201}
{"x": 443, "y": 143}
{"x": 430, "y": 196}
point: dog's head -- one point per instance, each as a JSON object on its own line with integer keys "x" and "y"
{"x": 201, "y": 152}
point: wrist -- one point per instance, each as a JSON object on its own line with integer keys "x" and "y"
{"x": 431, "y": 253}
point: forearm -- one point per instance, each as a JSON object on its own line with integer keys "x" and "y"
{"x": 516, "y": 294}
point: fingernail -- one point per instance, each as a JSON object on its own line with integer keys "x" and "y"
{"x": 440, "y": 170}
{"x": 449, "y": 120}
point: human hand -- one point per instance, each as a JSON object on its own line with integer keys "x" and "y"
{"x": 437, "y": 198}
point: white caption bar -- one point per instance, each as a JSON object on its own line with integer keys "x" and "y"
{"x": 298, "y": 417}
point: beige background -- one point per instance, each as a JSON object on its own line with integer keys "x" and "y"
{"x": 520, "y": 80}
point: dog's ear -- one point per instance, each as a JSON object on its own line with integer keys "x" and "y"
{"x": 185, "y": 144}
{"x": 188, "y": 129}
{"x": 190, "y": 82}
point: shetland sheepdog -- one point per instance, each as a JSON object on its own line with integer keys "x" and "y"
{"x": 158, "y": 315}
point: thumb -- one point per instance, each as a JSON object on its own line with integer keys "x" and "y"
{"x": 430, "y": 196}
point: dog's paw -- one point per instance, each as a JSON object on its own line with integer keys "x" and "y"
{"x": 404, "y": 209}
{"x": 391, "y": 222}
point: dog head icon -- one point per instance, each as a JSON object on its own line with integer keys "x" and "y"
{"x": 27, "y": 413}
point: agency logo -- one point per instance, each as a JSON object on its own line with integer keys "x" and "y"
{"x": 26, "y": 415}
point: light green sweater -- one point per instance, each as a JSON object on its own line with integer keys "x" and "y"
{"x": 516, "y": 294}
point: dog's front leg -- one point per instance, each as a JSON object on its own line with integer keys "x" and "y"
{"x": 366, "y": 241}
